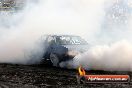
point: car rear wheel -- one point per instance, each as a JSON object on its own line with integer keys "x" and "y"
{"x": 54, "y": 59}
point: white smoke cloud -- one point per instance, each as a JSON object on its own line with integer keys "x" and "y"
{"x": 91, "y": 19}
{"x": 20, "y": 30}
{"x": 113, "y": 45}
{"x": 114, "y": 57}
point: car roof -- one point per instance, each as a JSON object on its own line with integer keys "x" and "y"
{"x": 53, "y": 35}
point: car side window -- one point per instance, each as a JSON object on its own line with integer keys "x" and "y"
{"x": 51, "y": 40}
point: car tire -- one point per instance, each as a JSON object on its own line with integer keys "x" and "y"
{"x": 54, "y": 60}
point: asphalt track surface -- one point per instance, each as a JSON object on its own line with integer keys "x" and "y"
{"x": 45, "y": 76}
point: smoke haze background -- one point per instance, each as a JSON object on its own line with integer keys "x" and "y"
{"x": 20, "y": 30}
{"x": 105, "y": 24}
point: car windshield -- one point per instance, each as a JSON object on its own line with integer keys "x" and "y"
{"x": 70, "y": 40}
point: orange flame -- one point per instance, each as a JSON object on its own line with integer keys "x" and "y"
{"x": 81, "y": 71}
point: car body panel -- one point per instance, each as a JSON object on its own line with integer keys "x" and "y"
{"x": 62, "y": 50}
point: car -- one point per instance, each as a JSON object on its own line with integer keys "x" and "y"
{"x": 61, "y": 48}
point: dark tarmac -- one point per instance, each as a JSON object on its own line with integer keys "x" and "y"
{"x": 43, "y": 76}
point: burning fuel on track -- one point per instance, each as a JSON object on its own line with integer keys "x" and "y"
{"x": 106, "y": 25}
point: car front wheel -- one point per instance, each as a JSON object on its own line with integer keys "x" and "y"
{"x": 54, "y": 59}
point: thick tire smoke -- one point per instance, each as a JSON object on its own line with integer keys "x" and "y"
{"x": 114, "y": 57}
{"x": 91, "y": 19}
{"x": 20, "y": 30}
